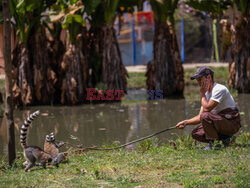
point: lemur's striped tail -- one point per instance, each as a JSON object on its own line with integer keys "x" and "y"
{"x": 24, "y": 128}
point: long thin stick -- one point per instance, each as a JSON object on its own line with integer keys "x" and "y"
{"x": 132, "y": 142}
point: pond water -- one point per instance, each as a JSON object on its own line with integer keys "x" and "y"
{"x": 97, "y": 124}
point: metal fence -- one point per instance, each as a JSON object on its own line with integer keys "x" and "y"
{"x": 136, "y": 40}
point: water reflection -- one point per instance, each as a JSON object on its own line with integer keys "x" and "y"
{"x": 105, "y": 123}
{"x": 139, "y": 123}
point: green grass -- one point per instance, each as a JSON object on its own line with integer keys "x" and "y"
{"x": 136, "y": 80}
{"x": 150, "y": 165}
{"x": 192, "y": 90}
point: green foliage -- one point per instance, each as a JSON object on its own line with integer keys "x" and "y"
{"x": 28, "y": 15}
{"x": 213, "y": 7}
{"x": 20, "y": 20}
{"x": 24, "y": 6}
{"x": 73, "y": 24}
{"x": 101, "y": 86}
{"x": 243, "y": 139}
{"x": 164, "y": 9}
{"x": 204, "y": 182}
{"x": 145, "y": 145}
{"x": 128, "y": 5}
{"x": 90, "y": 6}
{"x": 185, "y": 142}
{"x": 110, "y": 7}
{"x": 71, "y": 12}
{"x": 105, "y": 12}
{"x": 243, "y": 6}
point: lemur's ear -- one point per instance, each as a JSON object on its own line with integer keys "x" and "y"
{"x": 52, "y": 134}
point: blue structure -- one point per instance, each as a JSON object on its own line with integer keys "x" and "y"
{"x": 182, "y": 41}
{"x": 133, "y": 39}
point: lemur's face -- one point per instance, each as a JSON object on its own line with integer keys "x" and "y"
{"x": 50, "y": 137}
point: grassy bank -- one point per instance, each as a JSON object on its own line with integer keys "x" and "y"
{"x": 191, "y": 92}
{"x": 147, "y": 166}
{"x": 137, "y": 80}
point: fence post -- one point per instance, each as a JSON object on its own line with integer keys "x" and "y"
{"x": 182, "y": 41}
{"x": 133, "y": 39}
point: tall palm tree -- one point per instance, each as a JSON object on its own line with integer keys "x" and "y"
{"x": 239, "y": 76}
{"x": 33, "y": 76}
{"x": 108, "y": 71}
{"x": 165, "y": 71}
{"x": 73, "y": 69}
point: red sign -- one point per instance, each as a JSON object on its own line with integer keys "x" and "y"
{"x": 145, "y": 17}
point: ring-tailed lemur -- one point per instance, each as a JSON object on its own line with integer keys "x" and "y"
{"x": 33, "y": 153}
{"x": 51, "y": 147}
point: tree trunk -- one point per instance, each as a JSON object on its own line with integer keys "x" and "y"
{"x": 161, "y": 72}
{"x": 107, "y": 67}
{"x": 57, "y": 51}
{"x": 22, "y": 76}
{"x": 95, "y": 55}
{"x": 239, "y": 76}
{"x": 114, "y": 74}
{"x": 178, "y": 64}
{"x": 75, "y": 70}
{"x": 44, "y": 76}
{"x": 8, "y": 83}
{"x": 34, "y": 76}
